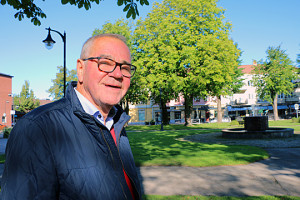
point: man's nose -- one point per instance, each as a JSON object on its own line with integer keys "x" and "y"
{"x": 117, "y": 72}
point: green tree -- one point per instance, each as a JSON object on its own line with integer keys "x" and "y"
{"x": 57, "y": 89}
{"x": 137, "y": 92}
{"x": 222, "y": 75}
{"x": 185, "y": 50}
{"x": 274, "y": 76}
{"x": 25, "y": 101}
{"x": 27, "y": 8}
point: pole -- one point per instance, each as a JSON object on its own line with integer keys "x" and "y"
{"x": 63, "y": 37}
{"x": 161, "y": 113}
{"x": 64, "y": 40}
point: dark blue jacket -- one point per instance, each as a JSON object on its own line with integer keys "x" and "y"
{"x": 58, "y": 151}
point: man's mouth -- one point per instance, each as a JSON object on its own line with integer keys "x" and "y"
{"x": 113, "y": 86}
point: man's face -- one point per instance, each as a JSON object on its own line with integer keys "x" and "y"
{"x": 104, "y": 89}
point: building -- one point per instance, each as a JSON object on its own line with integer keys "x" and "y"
{"x": 244, "y": 103}
{"x": 6, "y": 100}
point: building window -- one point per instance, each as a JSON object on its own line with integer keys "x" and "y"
{"x": 141, "y": 115}
{"x": 281, "y": 96}
{"x": 177, "y": 115}
{"x": 4, "y": 119}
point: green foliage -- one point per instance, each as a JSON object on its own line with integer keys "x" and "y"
{"x": 30, "y": 10}
{"x": 25, "y": 101}
{"x": 184, "y": 48}
{"x": 295, "y": 120}
{"x": 274, "y": 76}
{"x": 234, "y": 123}
{"x": 6, "y": 132}
{"x": 2, "y": 158}
{"x": 57, "y": 89}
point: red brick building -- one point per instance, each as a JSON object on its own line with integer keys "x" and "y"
{"x": 6, "y": 100}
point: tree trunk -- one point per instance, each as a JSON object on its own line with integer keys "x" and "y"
{"x": 219, "y": 109}
{"x": 127, "y": 108}
{"x": 188, "y": 108}
{"x": 275, "y": 110}
{"x": 125, "y": 105}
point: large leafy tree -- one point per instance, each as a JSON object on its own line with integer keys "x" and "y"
{"x": 137, "y": 92}
{"x": 185, "y": 50}
{"x": 274, "y": 76}
{"x": 57, "y": 89}
{"x": 29, "y": 9}
{"x": 25, "y": 101}
{"x": 221, "y": 72}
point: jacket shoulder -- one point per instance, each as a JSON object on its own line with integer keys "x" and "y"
{"x": 36, "y": 113}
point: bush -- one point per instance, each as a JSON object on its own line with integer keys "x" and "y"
{"x": 295, "y": 120}
{"x": 234, "y": 123}
{"x": 6, "y": 132}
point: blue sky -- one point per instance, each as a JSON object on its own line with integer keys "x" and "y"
{"x": 256, "y": 25}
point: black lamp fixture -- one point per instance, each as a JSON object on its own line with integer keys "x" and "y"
{"x": 49, "y": 42}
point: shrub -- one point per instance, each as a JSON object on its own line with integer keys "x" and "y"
{"x": 6, "y": 132}
{"x": 295, "y": 120}
{"x": 234, "y": 123}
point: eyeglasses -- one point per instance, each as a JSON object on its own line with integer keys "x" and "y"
{"x": 109, "y": 65}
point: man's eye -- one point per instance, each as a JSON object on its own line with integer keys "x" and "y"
{"x": 105, "y": 62}
{"x": 126, "y": 67}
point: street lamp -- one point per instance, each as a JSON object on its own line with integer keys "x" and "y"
{"x": 161, "y": 115}
{"x": 49, "y": 42}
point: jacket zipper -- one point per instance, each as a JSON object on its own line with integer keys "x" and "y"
{"x": 123, "y": 164}
{"x": 114, "y": 162}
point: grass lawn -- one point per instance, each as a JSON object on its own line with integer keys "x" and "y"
{"x": 153, "y": 147}
{"x": 179, "y": 197}
{"x": 2, "y": 158}
{"x": 165, "y": 148}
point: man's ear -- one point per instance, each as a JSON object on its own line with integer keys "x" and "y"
{"x": 80, "y": 70}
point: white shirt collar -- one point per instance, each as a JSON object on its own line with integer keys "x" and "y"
{"x": 89, "y": 108}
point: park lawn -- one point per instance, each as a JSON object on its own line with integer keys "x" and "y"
{"x": 164, "y": 148}
{"x": 2, "y": 158}
{"x": 183, "y": 197}
{"x": 178, "y": 127}
{"x": 153, "y": 147}
{"x": 285, "y": 124}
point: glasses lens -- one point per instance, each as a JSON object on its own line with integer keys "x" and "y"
{"x": 106, "y": 65}
{"x": 126, "y": 70}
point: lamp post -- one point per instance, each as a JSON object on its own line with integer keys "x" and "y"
{"x": 49, "y": 42}
{"x": 161, "y": 115}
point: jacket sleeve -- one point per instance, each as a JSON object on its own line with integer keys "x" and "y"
{"x": 29, "y": 171}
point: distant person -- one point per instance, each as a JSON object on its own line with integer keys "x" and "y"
{"x": 76, "y": 148}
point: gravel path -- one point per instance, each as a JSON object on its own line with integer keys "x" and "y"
{"x": 216, "y": 138}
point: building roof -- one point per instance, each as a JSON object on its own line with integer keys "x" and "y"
{"x": 1, "y": 74}
{"x": 44, "y": 101}
{"x": 247, "y": 69}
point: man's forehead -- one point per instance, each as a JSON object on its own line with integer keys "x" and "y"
{"x": 108, "y": 49}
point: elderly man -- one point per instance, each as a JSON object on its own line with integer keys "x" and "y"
{"x": 77, "y": 148}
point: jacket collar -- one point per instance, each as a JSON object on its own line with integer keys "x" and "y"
{"x": 120, "y": 117}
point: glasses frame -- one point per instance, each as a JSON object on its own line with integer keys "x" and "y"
{"x": 116, "y": 64}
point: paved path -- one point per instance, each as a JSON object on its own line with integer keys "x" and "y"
{"x": 278, "y": 175}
